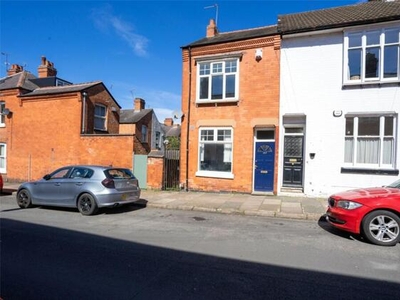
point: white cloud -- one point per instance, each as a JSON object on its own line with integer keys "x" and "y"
{"x": 105, "y": 20}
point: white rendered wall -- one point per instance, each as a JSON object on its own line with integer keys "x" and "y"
{"x": 311, "y": 83}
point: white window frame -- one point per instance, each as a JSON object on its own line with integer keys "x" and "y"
{"x": 101, "y": 118}
{"x": 218, "y": 67}
{"x": 216, "y": 174}
{"x": 354, "y": 142}
{"x": 3, "y": 157}
{"x": 362, "y": 79}
{"x": 2, "y": 117}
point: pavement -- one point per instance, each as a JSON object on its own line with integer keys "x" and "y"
{"x": 292, "y": 207}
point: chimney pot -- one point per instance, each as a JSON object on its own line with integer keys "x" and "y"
{"x": 14, "y": 69}
{"x": 46, "y": 69}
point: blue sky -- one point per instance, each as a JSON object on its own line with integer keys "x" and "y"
{"x": 134, "y": 47}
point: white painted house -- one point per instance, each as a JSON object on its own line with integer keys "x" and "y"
{"x": 339, "y": 98}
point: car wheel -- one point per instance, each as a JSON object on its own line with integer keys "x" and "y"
{"x": 87, "y": 205}
{"x": 24, "y": 199}
{"x": 382, "y": 227}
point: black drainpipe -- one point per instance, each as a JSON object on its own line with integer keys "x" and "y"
{"x": 188, "y": 120}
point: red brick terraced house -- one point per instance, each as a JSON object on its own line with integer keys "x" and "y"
{"x": 230, "y": 104}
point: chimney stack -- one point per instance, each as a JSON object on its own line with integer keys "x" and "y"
{"x": 139, "y": 104}
{"x": 46, "y": 69}
{"x": 212, "y": 29}
{"x": 14, "y": 70}
{"x": 168, "y": 122}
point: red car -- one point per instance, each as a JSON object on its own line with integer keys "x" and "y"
{"x": 1, "y": 184}
{"x": 371, "y": 212}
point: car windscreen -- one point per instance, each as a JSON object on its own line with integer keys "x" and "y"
{"x": 395, "y": 184}
{"x": 119, "y": 174}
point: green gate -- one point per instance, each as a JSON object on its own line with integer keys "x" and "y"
{"x": 140, "y": 169}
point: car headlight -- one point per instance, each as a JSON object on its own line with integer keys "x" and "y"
{"x": 348, "y": 204}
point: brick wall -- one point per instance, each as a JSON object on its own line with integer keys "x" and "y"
{"x": 155, "y": 170}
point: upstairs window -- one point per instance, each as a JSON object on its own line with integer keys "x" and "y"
{"x": 2, "y": 117}
{"x": 218, "y": 81}
{"x": 370, "y": 141}
{"x": 372, "y": 56}
{"x": 100, "y": 116}
{"x": 144, "y": 134}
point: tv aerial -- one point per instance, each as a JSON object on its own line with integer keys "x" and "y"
{"x": 177, "y": 114}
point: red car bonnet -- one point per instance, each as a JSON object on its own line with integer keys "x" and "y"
{"x": 368, "y": 193}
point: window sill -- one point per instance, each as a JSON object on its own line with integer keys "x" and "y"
{"x": 370, "y": 84}
{"x": 369, "y": 171}
{"x": 217, "y": 101}
{"x": 215, "y": 174}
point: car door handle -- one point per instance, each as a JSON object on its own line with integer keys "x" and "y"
{"x": 57, "y": 184}
{"x": 79, "y": 183}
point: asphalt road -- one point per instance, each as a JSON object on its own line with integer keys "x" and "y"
{"x": 146, "y": 253}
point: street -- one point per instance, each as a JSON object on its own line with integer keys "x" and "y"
{"x": 147, "y": 253}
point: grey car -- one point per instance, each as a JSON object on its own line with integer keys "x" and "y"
{"x": 85, "y": 187}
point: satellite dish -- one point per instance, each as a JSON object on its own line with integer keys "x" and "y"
{"x": 177, "y": 114}
{"x": 6, "y": 112}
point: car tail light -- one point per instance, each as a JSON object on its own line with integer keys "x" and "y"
{"x": 108, "y": 183}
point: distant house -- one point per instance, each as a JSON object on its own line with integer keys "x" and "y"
{"x": 230, "y": 103}
{"x": 47, "y": 122}
{"x": 144, "y": 123}
{"x": 339, "y": 98}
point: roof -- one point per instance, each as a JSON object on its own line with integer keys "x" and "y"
{"x": 20, "y": 80}
{"x": 130, "y": 116}
{"x": 172, "y": 131}
{"x": 337, "y": 17}
{"x": 236, "y": 36}
{"x": 50, "y": 90}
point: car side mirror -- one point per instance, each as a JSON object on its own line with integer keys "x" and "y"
{"x": 46, "y": 177}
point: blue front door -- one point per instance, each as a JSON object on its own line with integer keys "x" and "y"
{"x": 264, "y": 166}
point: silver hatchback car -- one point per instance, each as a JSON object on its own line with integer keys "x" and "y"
{"x": 85, "y": 187}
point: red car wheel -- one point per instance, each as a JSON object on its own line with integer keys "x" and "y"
{"x": 382, "y": 227}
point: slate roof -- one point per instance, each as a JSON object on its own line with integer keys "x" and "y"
{"x": 50, "y": 90}
{"x": 239, "y": 35}
{"x": 172, "y": 131}
{"x": 337, "y": 17}
{"x": 18, "y": 80}
{"x": 129, "y": 116}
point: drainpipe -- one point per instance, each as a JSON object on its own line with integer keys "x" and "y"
{"x": 188, "y": 120}
{"x": 84, "y": 94}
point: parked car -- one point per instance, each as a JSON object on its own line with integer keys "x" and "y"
{"x": 87, "y": 188}
{"x": 371, "y": 212}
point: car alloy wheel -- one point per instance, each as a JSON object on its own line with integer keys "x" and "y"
{"x": 24, "y": 199}
{"x": 87, "y": 205}
{"x": 382, "y": 228}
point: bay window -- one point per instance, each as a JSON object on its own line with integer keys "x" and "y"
{"x": 215, "y": 152}
{"x": 372, "y": 56}
{"x": 370, "y": 140}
